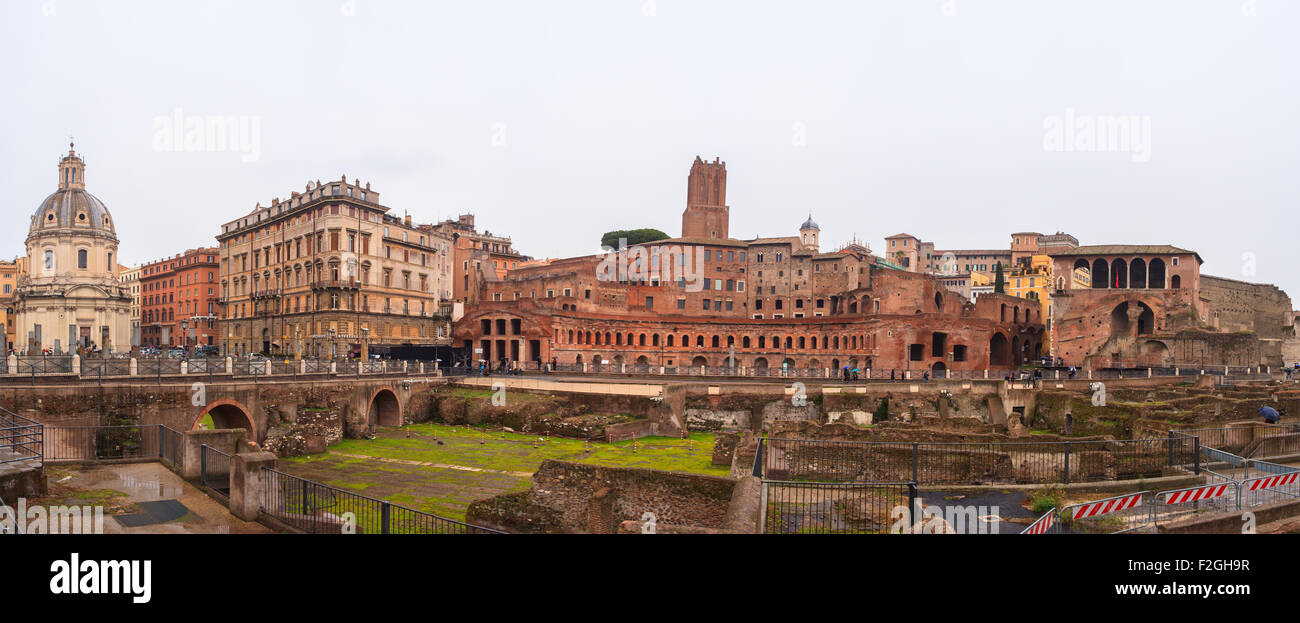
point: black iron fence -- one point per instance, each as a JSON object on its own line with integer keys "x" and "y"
{"x": 171, "y": 445}
{"x": 214, "y": 471}
{"x": 21, "y": 439}
{"x": 836, "y": 508}
{"x": 977, "y": 463}
{"x": 317, "y": 508}
{"x": 98, "y": 443}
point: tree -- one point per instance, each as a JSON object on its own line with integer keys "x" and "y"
{"x": 633, "y": 236}
{"x": 999, "y": 282}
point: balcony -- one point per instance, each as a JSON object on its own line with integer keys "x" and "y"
{"x": 267, "y": 293}
{"x": 336, "y": 284}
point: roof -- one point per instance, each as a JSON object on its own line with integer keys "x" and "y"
{"x": 67, "y": 206}
{"x": 899, "y": 236}
{"x": 809, "y": 224}
{"x": 1128, "y": 249}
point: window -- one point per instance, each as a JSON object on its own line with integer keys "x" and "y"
{"x": 81, "y": 259}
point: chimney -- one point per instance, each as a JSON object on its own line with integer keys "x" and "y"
{"x": 408, "y": 220}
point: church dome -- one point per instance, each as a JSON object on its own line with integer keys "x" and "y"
{"x": 809, "y": 224}
{"x": 71, "y": 206}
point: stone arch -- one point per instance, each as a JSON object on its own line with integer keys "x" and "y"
{"x": 1156, "y": 274}
{"x": 938, "y": 367}
{"x": 760, "y": 363}
{"x": 384, "y": 408}
{"x": 699, "y": 361}
{"x": 1154, "y": 353}
{"x": 814, "y": 363}
{"x": 1100, "y": 271}
{"x": 1118, "y": 274}
{"x": 938, "y": 301}
{"x": 642, "y": 361}
{"x": 1137, "y": 273}
{"x": 1176, "y": 282}
{"x": 999, "y": 350}
{"x": 227, "y": 414}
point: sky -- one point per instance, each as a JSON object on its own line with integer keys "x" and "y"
{"x": 958, "y": 121}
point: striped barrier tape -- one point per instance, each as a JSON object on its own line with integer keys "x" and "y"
{"x": 1107, "y": 506}
{"x": 1280, "y": 480}
{"x": 1043, "y": 524}
{"x": 1197, "y": 493}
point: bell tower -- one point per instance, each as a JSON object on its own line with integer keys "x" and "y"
{"x": 707, "y": 214}
{"x": 72, "y": 171}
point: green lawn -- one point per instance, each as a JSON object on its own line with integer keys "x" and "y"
{"x": 472, "y": 464}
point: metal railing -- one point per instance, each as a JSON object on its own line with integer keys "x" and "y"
{"x": 171, "y": 445}
{"x": 214, "y": 471}
{"x": 317, "y": 508}
{"x": 833, "y": 508}
{"x": 97, "y": 443}
{"x": 977, "y": 463}
{"x": 21, "y": 439}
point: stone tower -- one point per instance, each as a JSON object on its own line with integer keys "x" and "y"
{"x": 809, "y": 233}
{"x": 707, "y": 214}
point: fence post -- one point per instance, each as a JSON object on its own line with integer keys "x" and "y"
{"x": 203, "y": 465}
{"x": 916, "y": 462}
{"x": 162, "y": 441}
{"x": 912, "y": 508}
{"x": 1067, "y": 462}
{"x": 1171, "y": 448}
{"x": 385, "y": 512}
{"x": 1197, "y": 446}
{"x": 305, "y": 512}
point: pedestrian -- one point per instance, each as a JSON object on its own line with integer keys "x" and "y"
{"x": 1269, "y": 414}
{"x": 891, "y": 374}
{"x": 926, "y": 377}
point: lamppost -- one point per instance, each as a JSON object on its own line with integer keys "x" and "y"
{"x": 333, "y": 345}
{"x": 185, "y": 327}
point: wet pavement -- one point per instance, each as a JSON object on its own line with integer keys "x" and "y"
{"x": 151, "y": 482}
{"x": 1006, "y": 507}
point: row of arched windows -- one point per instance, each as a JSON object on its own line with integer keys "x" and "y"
{"x": 686, "y": 340}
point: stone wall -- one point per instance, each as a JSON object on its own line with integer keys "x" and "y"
{"x": 560, "y": 500}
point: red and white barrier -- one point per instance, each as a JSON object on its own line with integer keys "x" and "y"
{"x": 1280, "y": 480}
{"x": 1110, "y": 505}
{"x": 1043, "y": 524}
{"x": 1197, "y": 493}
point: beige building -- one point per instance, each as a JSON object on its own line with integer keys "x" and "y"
{"x": 70, "y": 297}
{"x": 8, "y": 283}
{"x": 130, "y": 277}
{"x": 329, "y": 273}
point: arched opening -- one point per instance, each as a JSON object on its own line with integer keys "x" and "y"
{"x": 999, "y": 350}
{"x": 814, "y": 363}
{"x": 618, "y": 360}
{"x": 1146, "y": 320}
{"x": 1176, "y": 282}
{"x": 1119, "y": 324}
{"x": 1099, "y": 271}
{"x": 225, "y": 415}
{"x": 1119, "y": 274}
{"x": 788, "y": 364}
{"x": 760, "y": 363}
{"x": 1137, "y": 273}
{"x": 385, "y": 410}
{"x": 938, "y": 301}
{"x": 1155, "y": 353}
{"x": 1156, "y": 274}
{"x": 642, "y": 361}
{"x": 699, "y": 362}
{"x": 938, "y": 367}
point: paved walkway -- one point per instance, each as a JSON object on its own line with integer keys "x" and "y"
{"x": 150, "y": 482}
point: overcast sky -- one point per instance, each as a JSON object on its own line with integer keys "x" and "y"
{"x": 556, "y": 121}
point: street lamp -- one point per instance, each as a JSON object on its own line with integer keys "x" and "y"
{"x": 185, "y": 328}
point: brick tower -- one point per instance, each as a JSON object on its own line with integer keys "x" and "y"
{"x": 706, "y": 214}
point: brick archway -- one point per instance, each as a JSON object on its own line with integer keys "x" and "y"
{"x": 384, "y": 408}
{"x": 227, "y": 414}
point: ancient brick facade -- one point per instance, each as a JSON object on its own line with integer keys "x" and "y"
{"x": 766, "y": 302}
{"x": 1150, "y": 306}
